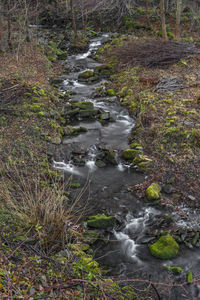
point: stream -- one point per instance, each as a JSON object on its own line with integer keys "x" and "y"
{"x": 126, "y": 252}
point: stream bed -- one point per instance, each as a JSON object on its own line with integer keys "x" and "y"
{"x": 126, "y": 253}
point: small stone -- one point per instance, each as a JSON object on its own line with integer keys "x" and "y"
{"x": 56, "y": 141}
{"x": 191, "y": 198}
{"x": 168, "y": 189}
{"x": 189, "y": 277}
{"x": 100, "y": 164}
{"x": 105, "y": 116}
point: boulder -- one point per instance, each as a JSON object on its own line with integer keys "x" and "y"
{"x": 165, "y": 247}
{"x": 153, "y": 192}
{"x": 101, "y": 221}
{"x": 128, "y": 154}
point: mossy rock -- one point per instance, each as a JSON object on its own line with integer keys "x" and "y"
{"x": 73, "y": 131}
{"x": 128, "y": 154}
{"x": 101, "y": 221}
{"x": 175, "y": 270}
{"x": 165, "y": 247}
{"x": 153, "y": 192}
{"x": 142, "y": 161}
{"x": 189, "y": 277}
{"x": 85, "y": 75}
{"x": 103, "y": 70}
{"x": 83, "y": 105}
{"x": 110, "y": 158}
{"x": 55, "y": 81}
{"x": 110, "y": 92}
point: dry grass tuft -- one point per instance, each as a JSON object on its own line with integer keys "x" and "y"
{"x": 41, "y": 205}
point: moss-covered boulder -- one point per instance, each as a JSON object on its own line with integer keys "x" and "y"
{"x": 111, "y": 158}
{"x": 153, "y": 192}
{"x": 103, "y": 70}
{"x": 83, "y": 105}
{"x": 128, "y": 154}
{"x": 101, "y": 221}
{"x": 73, "y": 131}
{"x": 87, "y": 76}
{"x": 165, "y": 247}
{"x": 142, "y": 161}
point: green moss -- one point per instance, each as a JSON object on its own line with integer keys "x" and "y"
{"x": 128, "y": 154}
{"x": 101, "y": 221}
{"x": 189, "y": 277}
{"x": 175, "y": 270}
{"x": 110, "y": 158}
{"x": 83, "y": 105}
{"x": 86, "y": 74}
{"x": 111, "y": 92}
{"x": 165, "y": 247}
{"x": 125, "y": 92}
{"x": 75, "y": 185}
{"x": 153, "y": 192}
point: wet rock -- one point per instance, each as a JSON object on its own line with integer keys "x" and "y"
{"x": 111, "y": 157}
{"x": 105, "y": 116}
{"x": 87, "y": 76}
{"x": 190, "y": 197}
{"x": 142, "y": 162}
{"x": 195, "y": 239}
{"x": 168, "y": 189}
{"x": 73, "y": 131}
{"x": 165, "y": 247}
{"x": 103, "y": 71}
{"x": 56, "y": 141}
{"x": 101, "y": 221}
{"x": 146, "y": 240}
{"x": 183, "y": 236}
{"x": 55, "y": 81}
{"x": 153, "y": 192}
{"x": 128, "y": 154}
{"x": 189, "y": 245}
{"x": 100, "y": 164}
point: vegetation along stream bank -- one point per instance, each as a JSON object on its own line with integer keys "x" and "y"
{"x": 99, "y": 147}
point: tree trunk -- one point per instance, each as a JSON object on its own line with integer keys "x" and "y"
{"x": 163, "y": 24}
{"x": 2, "y": 42}
{"x": 9, "y": 26}
{"x": 147, "y": 11}
{"x": 178, "y": 19}
{"x": 73, "y": 18}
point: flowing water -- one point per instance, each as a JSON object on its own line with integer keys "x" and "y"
{"x": 126, "y": 253}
